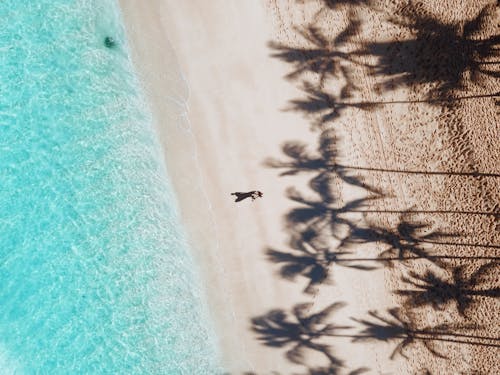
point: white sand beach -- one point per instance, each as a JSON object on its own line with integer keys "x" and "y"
{"x": 221, "y": 105}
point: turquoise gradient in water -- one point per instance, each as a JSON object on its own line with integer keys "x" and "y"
{"x": 95, "y": 274}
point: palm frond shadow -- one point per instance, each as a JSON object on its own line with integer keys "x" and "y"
{"x": 394, "y": 328}
{"x": 326, "y": 107}
{"x": 390, "y": 329}
{"x": 331, "y": 369}
{"x": 336, "y": 4}
{"x": 430, "y": 289}
{"x": 322, "y": 216}
{"x": 403, "y": 243}
{"x": 324, "y": 162}
{"x": 298, "y": 331}
{"x": 445, "y": 55}
{"x": 305, "y": 259}
{"x": 334, "y": 370}
{"x": 322, "y": 57}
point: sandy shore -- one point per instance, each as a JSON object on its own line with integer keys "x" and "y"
{"x": 222, "y": 107}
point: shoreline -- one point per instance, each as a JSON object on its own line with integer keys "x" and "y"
{"x": 167, "y": 93}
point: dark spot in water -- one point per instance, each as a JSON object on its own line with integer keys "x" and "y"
{"x": 109, "y": 42}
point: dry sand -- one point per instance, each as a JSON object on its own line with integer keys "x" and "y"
{"x": 221, "y": 106}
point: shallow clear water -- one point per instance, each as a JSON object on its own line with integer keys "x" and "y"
{"x": 95, "y": 273}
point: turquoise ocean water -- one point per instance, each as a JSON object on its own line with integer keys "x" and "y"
{"x": 95, "y": 273}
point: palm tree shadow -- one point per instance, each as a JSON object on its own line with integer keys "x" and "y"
{"x": 322, "y": 57}
{"x": 331, "y": 369}
{"x": 324, "y": 162}
{"x": 386, "y": 329}
{"x": 396, "y": 328}
{"x": 327, "y": 107}
{"x": 440, "y": 54}
{"x": 334, "y": 370}
{"x": 322, "y": 215}
{"x": 298, "y": 331}
{"x": 336, "y": 4}
{"x": 430, "y": 289}
{"x": 304, "y": 258}
{"x": 403, "y": 243}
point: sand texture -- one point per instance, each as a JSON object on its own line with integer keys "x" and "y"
{"x": 372, "y": 128}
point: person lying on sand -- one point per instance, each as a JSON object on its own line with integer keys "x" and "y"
{"x": 251, "y": 194}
